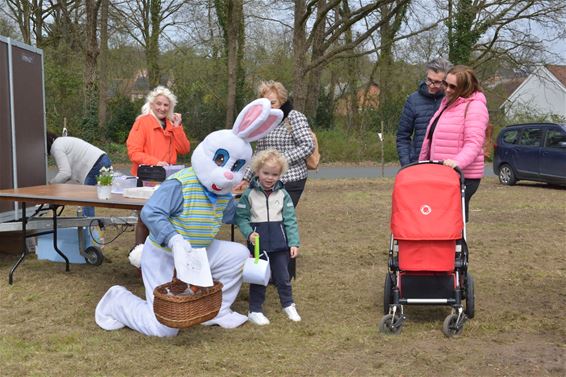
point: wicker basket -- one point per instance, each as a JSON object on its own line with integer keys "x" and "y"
{"x": 183, "y": 311}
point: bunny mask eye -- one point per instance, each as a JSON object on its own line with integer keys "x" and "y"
{"x": 239, "y": 164}
{"x": 221, "y": 157}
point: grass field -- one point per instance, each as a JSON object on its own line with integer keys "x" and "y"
{"x": 517, "y": 238}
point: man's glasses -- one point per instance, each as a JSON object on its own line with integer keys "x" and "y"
{"x": 430, "y": 82}
{"x": 447, "y": 85}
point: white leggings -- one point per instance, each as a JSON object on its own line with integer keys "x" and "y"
{"x": 120, "y": 307}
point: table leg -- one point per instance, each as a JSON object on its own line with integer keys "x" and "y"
{"x": 54, "y": 209}
{"x": 24, "y": 245}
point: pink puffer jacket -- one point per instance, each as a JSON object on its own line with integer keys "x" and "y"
{"x": 459, "y": 134}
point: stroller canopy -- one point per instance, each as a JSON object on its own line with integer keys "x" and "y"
{"x": 427, "y": 203}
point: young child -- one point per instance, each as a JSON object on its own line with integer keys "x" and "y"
{"x": 266, "y": 209}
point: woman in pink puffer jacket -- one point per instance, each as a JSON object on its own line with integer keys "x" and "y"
{"x": 456, "y": 132}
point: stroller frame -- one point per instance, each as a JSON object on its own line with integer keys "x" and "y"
{"x": 394, "y": 298}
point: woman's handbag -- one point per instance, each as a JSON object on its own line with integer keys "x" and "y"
{"x": 314, "y": 159}
{"x": 257, "y": 271}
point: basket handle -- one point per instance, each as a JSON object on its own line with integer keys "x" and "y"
{"x": 178, "y": 285}
{"x": 256, "y": 251}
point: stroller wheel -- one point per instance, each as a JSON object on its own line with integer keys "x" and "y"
{"x": 390, "y": 324}
{"x": 387, "y": 292}
{"x": 470, "y": 302}
{"x": 451, "y": 327}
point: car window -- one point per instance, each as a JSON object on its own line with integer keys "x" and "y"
{"x": 531, "y": 137}
{"x": 554, "y": 137}
{"x": 510, "y": 136}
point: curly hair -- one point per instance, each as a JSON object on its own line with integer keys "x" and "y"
{"x": 269, "y": 155}
{"x": 159, "y": 91}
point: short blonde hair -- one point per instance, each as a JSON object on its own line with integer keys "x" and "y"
{"x": 269, "y": 155}
{"x": 273, "y": 86}
{"x": 160, "y": 91}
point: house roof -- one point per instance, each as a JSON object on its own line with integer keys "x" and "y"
{"x": 559, "y": 71}
{"x": 498, "y": 93}
{"x": 556, "y": 71}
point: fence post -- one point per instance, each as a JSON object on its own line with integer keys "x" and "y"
{"x": 380, "y": 134}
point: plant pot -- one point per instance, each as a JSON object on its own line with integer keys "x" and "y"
{"x": 103, "y": 192}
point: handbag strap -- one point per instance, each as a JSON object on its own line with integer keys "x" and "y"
{"x": 434, "y": 123}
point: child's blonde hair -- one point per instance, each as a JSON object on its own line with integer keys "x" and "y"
{"x": 269, "y": 155}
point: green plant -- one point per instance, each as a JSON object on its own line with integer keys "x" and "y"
{"x": 105, "y": 176}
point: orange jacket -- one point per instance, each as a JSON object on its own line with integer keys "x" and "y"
{"x": 148, "y": 143}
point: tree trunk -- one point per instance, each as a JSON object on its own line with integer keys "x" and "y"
{"x": 152, "y": 48}
{"x": 234, "y": 18}
{"x": 462, "y": 37}
{"x": 241, "y": 73}
{"x": 352, "y": 75}
{"x": 21, "y": 11}
{"x": 313, "y": 88}
{"x": 37, "y": 11}
{"x": 299, "y": 56}
{"x": 90, "y": 116}
{"x": 103, "y": 66}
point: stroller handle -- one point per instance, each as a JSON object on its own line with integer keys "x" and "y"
{"x": 437, "y": 162}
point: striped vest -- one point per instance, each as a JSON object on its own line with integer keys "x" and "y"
{"x": 201, "y": 219}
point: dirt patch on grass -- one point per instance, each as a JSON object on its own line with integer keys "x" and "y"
{"x": 516, "y": 236}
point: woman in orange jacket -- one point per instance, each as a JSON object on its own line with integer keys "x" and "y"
{"x": 157, "y": 135}
{"x": 156, "y": 138}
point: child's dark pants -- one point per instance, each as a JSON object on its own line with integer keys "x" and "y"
{"x": 279, "y": 263}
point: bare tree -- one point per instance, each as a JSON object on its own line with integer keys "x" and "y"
{"x": 146, "y": 21}
{"x": 91, "y": 50}
{"x": 331, "y": 48}
{"x": 30, "y": 17}
{"x": 231, "y": 18}
{"x": 394, "y": 13}
{"x": 479, "y": 31}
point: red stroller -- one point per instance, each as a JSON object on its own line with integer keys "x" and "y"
{"x": 428, "y": 254}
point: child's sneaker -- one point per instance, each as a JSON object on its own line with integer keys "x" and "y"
{"x": 291, "y": 312}
{"x": 258, "y": 318}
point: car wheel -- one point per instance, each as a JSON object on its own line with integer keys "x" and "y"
{"x": 506, "y": 175}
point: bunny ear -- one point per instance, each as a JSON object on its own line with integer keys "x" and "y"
{"x": 256, "y": 120}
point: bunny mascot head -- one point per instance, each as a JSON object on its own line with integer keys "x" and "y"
{"x": 219, "y": 161}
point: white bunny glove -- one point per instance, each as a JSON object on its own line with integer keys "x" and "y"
{"x": 191, "y": 264}
{"x": 181, "y": 248}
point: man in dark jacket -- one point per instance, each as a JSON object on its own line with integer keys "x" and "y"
{"x": 419, "y": 108}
